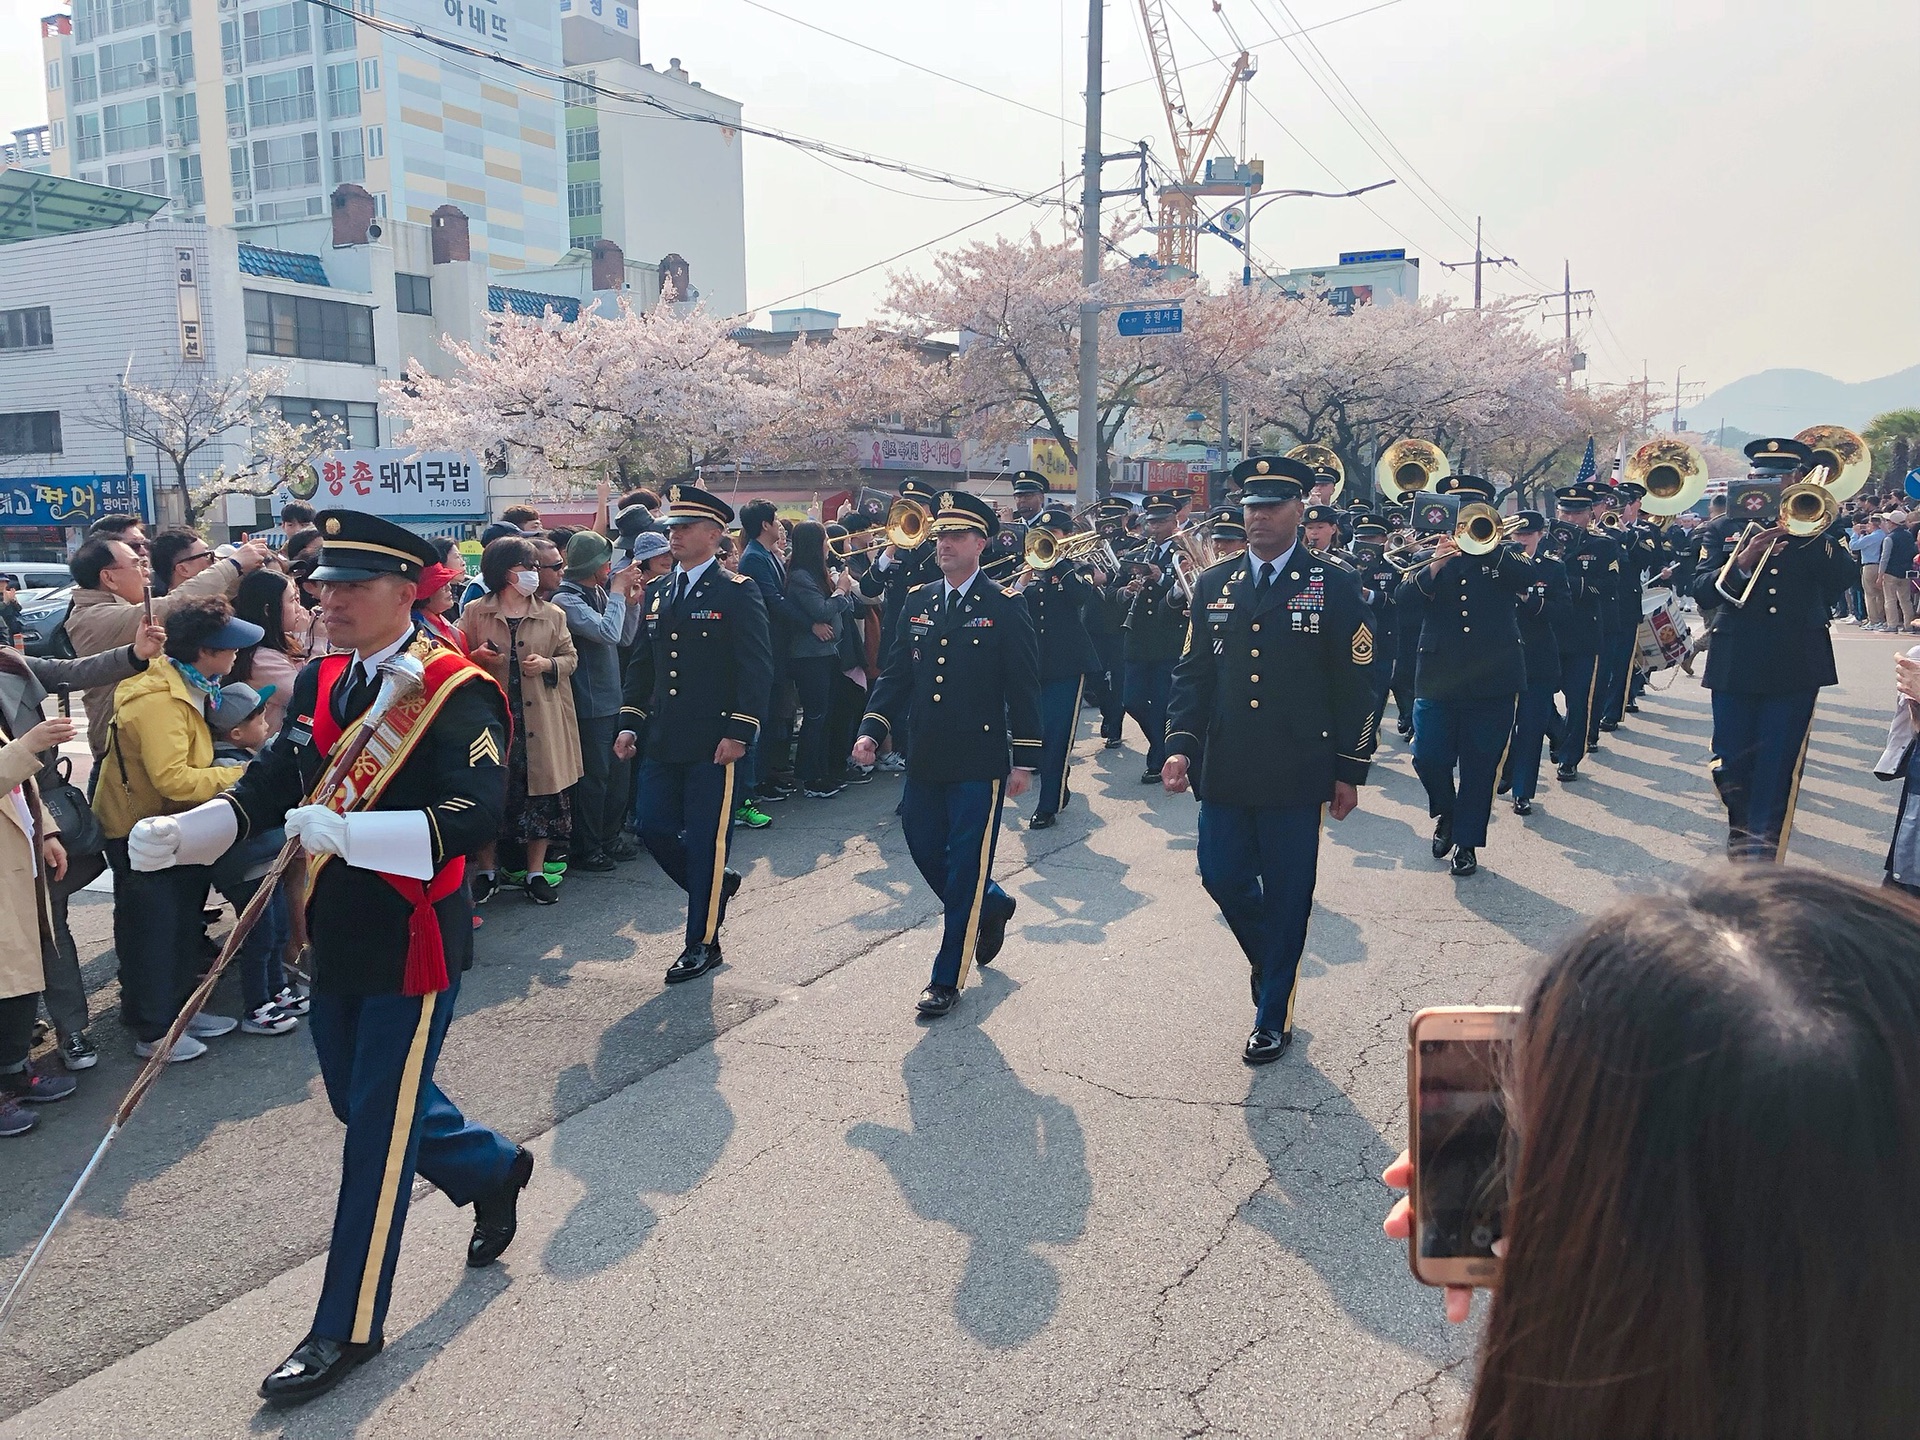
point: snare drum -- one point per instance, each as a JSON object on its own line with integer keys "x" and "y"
{"x": 1662, "y": 640}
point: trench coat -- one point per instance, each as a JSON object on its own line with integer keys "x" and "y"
{"x": 26, "y": 921}
{"x": 551, "y": 728}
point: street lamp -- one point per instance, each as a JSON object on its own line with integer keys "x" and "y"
{"x": 1245, "y": 239}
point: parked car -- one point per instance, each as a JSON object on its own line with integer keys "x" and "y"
{"x": 41, "y": 613}
{"x": 36, "y": 574}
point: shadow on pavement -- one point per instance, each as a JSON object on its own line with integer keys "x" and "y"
{"x": 1004, "y": 1166}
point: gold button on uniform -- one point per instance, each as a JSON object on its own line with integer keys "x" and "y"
{"x": 1253, "y": 704}
{"x": 1255, "y": 654}
{"x": 1256, "y": 629}
{"x": 674, "y": 636}
{"x": 936, "y": 697}
{"x": 673, "y": 692}
{"x": 1254, "y": 679}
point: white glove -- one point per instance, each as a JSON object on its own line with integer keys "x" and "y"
{"x": 319, "y": 830}
{"x": 198, "y": 836}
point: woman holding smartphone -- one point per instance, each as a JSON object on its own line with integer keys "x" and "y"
{"x": 1714, "y": 1143}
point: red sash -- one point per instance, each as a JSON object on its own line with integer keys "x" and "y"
{"x": 406, "y": 723}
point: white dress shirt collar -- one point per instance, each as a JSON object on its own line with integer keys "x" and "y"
{"x": 693, "y": 575}
{"x": 371, "y": 663}
{"x": 1279, "y": 564}
{"x": 950, "y": 589}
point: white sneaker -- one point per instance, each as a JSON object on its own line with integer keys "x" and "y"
{"x": 294, "y": 998}
{"x": 205, "y": 1027}
{"x": 892, "y": 763}
{"x": 269, "y": 1019}
{"x": 185, "y": 1048}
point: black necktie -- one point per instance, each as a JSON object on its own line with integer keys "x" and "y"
{"x": 1264, "y": 587}
{"x": 359, "y": 695}
{"x": 680, "y": 589}
{"x": 953, "y": 601}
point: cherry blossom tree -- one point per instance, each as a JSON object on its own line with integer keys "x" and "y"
{"x": 819, "y": 392}
{"x": 279, "y": 450}
{"x": 183, "y": 415}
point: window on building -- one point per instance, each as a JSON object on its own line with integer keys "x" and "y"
{"x": 307, "y": 209}
{"x": 147, "y": 175}
{"x": 180, "y": 55}
{"x": 284, "y": 97}
{"x": 343, "y": 90}
{"x": 413, "y": 294}
{"x": 86, "y": 86}
{"x": 53, "y": 74}
{"x": 238, "y": 166}
{"x": 31, "y": 328}
{"x": 89, "y": 20}
{"x": 370, "y": 74}
{"x": 583, "y": 143}
{"x": 236, "y": 104}
{"x": 132, "y": 126}
{"x": 348, "y": 162}
{"x": 360, "y": 418}
{"x": 30, "y": 432}
{"x": 57, "y": 134}
{"x": 583, "y": 198}
{"x": 275, "y": 32}
{"x": 230, "y": 42}
{"x": 579, "y": 89}
{"x": 376, "y": 142}
{"x": 300, "y": 328}
{"x": 286, "y": 162}
{"x": 186, "y": 118}
{"x": 129, "y": 13}
{"x": 128, "y": 64}
{"x": 337, "y": 33}
{"x": 86, "y": 137}
{"x": 192, "y": 187}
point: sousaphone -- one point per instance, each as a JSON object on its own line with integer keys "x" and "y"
{"x": 1673, "y": 474}
{"x": 1848, "y": 460}
{"x": 1409, "y": 466}
{"x": 1321, "y": 458}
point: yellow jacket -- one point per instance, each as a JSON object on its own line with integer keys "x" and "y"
{"x": 159, "y": 758}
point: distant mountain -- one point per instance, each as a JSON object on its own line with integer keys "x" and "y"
{"x": 1779, "y": 402}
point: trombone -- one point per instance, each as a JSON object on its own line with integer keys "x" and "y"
{"x": 906, "y": 529}
{"x": 1807, "y": 509}
{"x": 1478, "y": 530}
{"x": 1044, "y": 550}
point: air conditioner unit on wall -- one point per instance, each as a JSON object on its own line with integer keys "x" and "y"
{"x": 236, "y": 132}
{"x": 229, "y": 4}
{"x": 242, "y": 192}
{"x": 229, "y": 67}
{"x": 149, "y": 69}
{"x": 173, "y": 142}
{"x": 169, "y": 81}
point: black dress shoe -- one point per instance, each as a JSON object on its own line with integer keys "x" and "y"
{"x": 1152, "y": 777}
{"x": 1464, "y": 862}
{"x": 993, "y": 934}
{"x": 1565, "y": 773}
{"x": 1523, "y": 807}
{"x": 938, "y": 999}
{"x": 1266, "y": 1046}
{"x": 729, "y": 887}
{"x": 1113, "y": 744}
{"x": 1442, "y": 837}
{"x": 1405, "y": 727}
{"x": 1632, "y": 708}
{"x": 597, "y": 861}
{"x": 315, "y": 1367}
{"x": 694, "y": 962}
{"x": 1040, "y": 822}
{"x": 496, "y": 1216}
{"x": 1609, "y": 725}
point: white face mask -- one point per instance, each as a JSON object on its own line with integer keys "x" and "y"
{"x": 526, "y": 581}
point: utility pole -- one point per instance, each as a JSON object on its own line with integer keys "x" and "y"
{"x": 1480, "y": 259}
{"x": 1566, "y": 295}
{"x": 1086, "y": 483}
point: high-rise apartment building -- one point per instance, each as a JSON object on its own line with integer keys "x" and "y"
{"x": 249, "y": 111}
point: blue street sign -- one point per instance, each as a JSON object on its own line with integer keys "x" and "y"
{"x": 1912, "y": 485}
{"x": 1162, "y": 320}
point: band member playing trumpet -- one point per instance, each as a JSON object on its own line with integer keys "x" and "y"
{"x": 1056, "y": 597}
{"x": 1156, "y": 621}
{"x": 1593, "y": 570}
{"x": 1470, "y": 676}
{"x": 1542, "y": 610}
{"x": 1272, "y": 704}
{"x": 1770, "y": 593}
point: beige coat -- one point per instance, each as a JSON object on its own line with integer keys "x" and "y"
{"x": 552, "y": 730}
{"x": 24, "y": 917}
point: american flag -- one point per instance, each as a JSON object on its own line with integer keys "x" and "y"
{"x": 1588, "y": 469}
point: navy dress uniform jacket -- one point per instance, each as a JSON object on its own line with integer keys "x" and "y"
{"x": 1778, "y": 642}
{"x": 456, "y": 773}
{"x": 701, "y": 671}
{"x": 1593, "y": 575}
{"x": 1156, "y": 622}
{"x": 1469, "y": 625}
{"x": 965, "y": 687}
{"x": 890, "y": 586}
{"x": 1273, "y": 699}
{"x": 1056, "y": 603}
{"x": 1541, "y": 611}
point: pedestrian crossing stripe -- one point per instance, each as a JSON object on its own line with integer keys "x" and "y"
{"x": 1363, "y": 646}
{"x": 484, "y": 749}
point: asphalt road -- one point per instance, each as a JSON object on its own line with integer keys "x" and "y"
{"x": 770, "y": 1203}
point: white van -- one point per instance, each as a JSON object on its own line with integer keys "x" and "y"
{"x": 36, "y": 574}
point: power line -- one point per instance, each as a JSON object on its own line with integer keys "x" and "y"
{"x": 1234, "y": 54}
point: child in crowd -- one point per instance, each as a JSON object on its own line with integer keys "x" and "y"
{"x": 273, "y": 1003}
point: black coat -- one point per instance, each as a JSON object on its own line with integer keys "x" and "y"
{"x": 1056, "y": 602}
{"x": 917, "y": 567}
{"x": 1593, "y": 577}
{"x": 456, "y": 773}
{"x": 1778, "y": 642}
{"x": 701, "y": 672}
{"x": 1543, "y": 607}
{"x": 1469, "y": 626}
{"x": 961, "y": 689}
{"x": 1274, "y": 701}
{"x": 1157, "y": 617}
{"x": 1640, "y": 552}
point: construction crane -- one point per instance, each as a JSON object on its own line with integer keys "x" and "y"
{"x": 1198, "y": 172}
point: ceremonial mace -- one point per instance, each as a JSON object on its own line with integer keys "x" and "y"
{"x": 400, "y": 676}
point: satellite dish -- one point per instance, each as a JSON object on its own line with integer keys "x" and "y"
{"x": 1232, "y": 221}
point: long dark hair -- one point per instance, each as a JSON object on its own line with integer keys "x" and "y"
{"x": 1717, "y": 1116}
{"x": 259, "y": 599}
{"x": 809, "y": 552}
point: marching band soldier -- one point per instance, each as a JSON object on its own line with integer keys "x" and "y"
{"x": 894, "y": 571}
{"x": 1771, "y": 656}
{"x": 1469, "y": 680}
{"x": 1378, "y": 582}
{"x": 699, "y": 680}
{"x": 1029, "y": 497}
{"x": 1541, "y": 610}
{"x": 1156, "y": 622}
{"x": 390, "y": 919}
{"x": 1321, "y": 530}
{"x": 1056, "y": 598}
{"x": 1271, "y": 702}
{"x": 1227, "y": 526}
{"x": 1592, "y": 565}
{"x": 1105, "y": 616}
{"x": 962, "y": 674}
{"x": 1639, "y": 545}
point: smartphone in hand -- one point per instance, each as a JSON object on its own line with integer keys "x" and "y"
{"x": 1457, "y": 1060}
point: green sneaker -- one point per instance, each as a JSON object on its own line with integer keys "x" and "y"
{"x": 555, "y": 869}
{"x": 514, "y": 877}
{"x": 752, "y": 816}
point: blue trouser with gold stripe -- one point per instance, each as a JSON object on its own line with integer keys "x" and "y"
{"x": 686, "y": 821}
{"x": 1259, "y": 864}
{"x": 1472, "y": 735}
{"x": 1059, "y": 718}
{"x": 1759, "y": 750}
{"x": 951, "y": 831}
{"x": 377, "y": 1054}
{"x": 1579, "y": 677}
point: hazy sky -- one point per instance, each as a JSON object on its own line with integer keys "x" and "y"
{"x": 1735, "y": 179}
